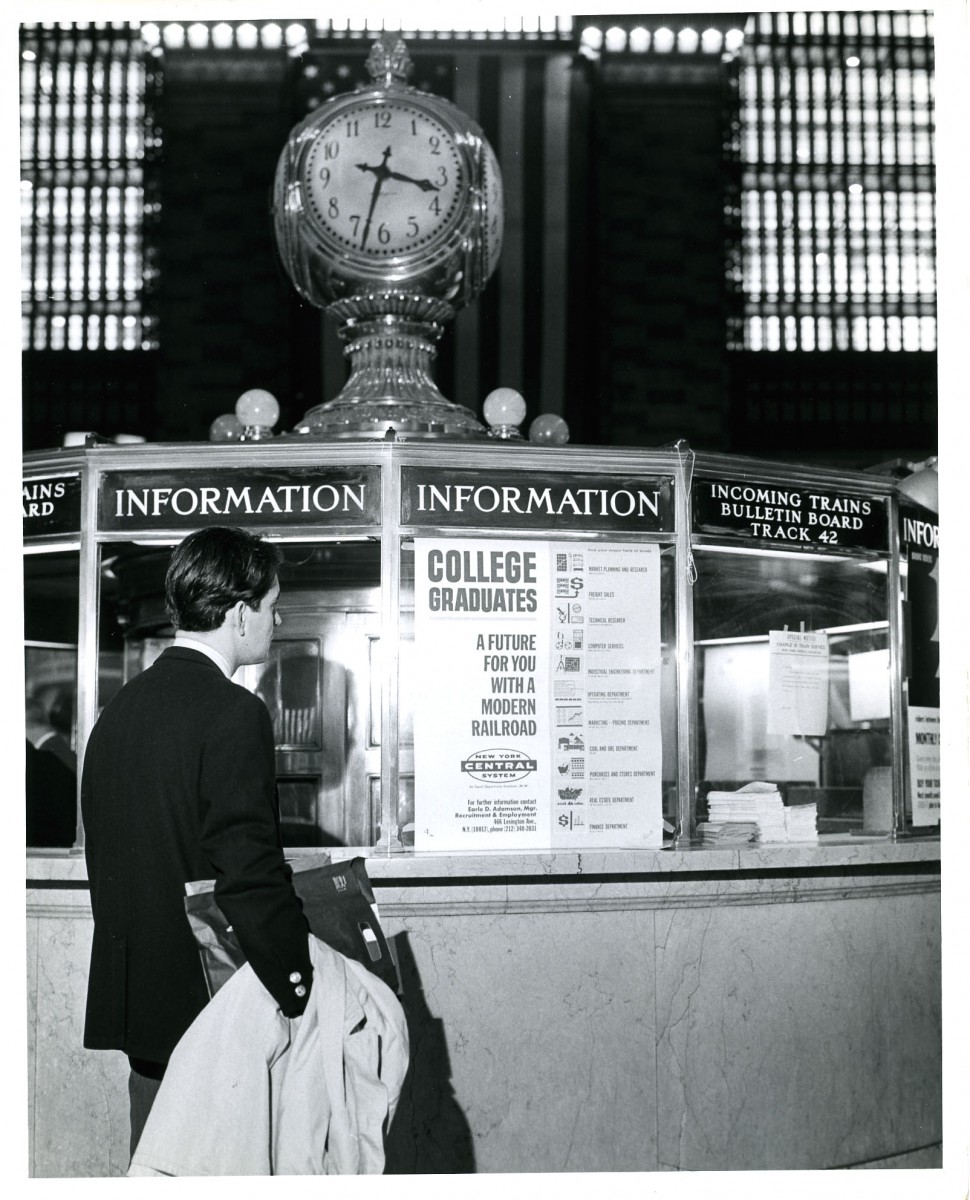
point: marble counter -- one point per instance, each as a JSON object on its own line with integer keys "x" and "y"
{"x": 675, "y": 1010}
{"x": 834, "y": 868}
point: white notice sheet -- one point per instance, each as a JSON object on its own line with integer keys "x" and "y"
{"x": 798, "y": 683}
{"x": 537, "y": 721}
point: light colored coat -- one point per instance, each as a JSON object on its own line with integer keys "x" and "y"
{"x": 251, "y": 1092}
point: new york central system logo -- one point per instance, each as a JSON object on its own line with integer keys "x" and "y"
{"x": 498, "y": 766}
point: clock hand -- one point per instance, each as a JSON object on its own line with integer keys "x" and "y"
{"x": 382, "y": 169}
{"x": 424, "y": 184}
{"x": 370, "y": 211}
{"x": 381, "y": 173}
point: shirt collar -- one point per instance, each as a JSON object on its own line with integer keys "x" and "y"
{"x": 191, "y": 643}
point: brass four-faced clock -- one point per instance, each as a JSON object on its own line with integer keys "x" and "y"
{"x": 384, "y": 178}
{"x": 388, "y": 214}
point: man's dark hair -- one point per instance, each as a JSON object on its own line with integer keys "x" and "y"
{"x": 211, "y": 570}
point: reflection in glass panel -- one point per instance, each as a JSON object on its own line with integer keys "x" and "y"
{"x": 289, "y": 685}
{"x": 404, "y": 822}
{"x": 133, "y": 627}
{"x": 316, "y": 682}
{"x": 739, "y": 599}
{"x": 408, "y": 677}
{"x": 668, "y": 686}
{"x": 405, "y": 726}
{"x": 50, "y": 697}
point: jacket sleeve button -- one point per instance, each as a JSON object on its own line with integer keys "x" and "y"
{"x": 296, "y": 977}
{"x": 300, "y": 991}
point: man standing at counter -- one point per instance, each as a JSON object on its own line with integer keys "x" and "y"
{"x": 178, "y": 785}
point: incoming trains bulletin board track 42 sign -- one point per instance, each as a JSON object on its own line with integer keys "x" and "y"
{"x": 742, "y": 509}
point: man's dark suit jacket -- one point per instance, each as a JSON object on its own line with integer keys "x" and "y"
{"x": 178, "y": 784}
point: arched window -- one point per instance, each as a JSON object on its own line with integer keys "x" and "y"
{"x": 86, "y": 134}
{"x": 837, "y": 183}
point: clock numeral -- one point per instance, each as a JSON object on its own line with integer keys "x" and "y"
{"x": 331, "y": 149}
{"x": 382, "y": 119}
{"x": 435, "y": 143}
{"x": 414, "y": 127}
{"x": 355, "y": 221}
{"x": 441, "y": 178}
{"x": 353, "y": 128}
{"x": 413, "y": 227}
{"x": 383, "y": 234}
{"x": 333, "y": 209}
{"x": 324, "y": 175}
{"x": 434, "y": 206}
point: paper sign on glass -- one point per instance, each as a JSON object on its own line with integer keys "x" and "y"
{"x": 924, "y": 764}
{"x": 798, "y": 683}
{"x": 869, "y": 685}
{"x": 539, "y": 724}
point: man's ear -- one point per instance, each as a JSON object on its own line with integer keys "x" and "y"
{"x": 236, "y": 616}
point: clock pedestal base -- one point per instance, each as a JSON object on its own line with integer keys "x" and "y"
{"x": 390, "y": 385}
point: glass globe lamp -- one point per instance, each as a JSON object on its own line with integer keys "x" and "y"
{"x": 226, "y": 428}
{"x": 549, "y": 429}
{"x": 257, "y": 411}
{"x": 504, "y": 410}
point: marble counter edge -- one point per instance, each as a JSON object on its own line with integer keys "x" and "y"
{"x": 574, "y": 866}
{"x": 507, "y": 898}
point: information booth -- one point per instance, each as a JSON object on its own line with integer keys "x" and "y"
{"x": 641, "y": 748}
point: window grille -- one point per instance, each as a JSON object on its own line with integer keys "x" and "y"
{"x": 660, "y": 35}
{"x": 488, "y": 24}
{"x": 837, "y": 182}
{"x": 294, "y": 36}
{"x": 85, "y": 138}
{"x": 290, "y": 36}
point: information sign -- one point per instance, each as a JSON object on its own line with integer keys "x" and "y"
{"x": 52, "y": 505}
{"x": 538, "y": 500}
{"x": 142, "y": 500}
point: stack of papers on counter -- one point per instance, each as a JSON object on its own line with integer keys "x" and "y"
{"x": 723, "y": 833}
{"x": 761, "y": 804}
{"x": 801, "y": 823}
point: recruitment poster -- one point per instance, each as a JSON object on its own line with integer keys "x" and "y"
{"x": 919, "y": 540}
{"x": 538, "y": 724}
{"x": 924, "y": 764}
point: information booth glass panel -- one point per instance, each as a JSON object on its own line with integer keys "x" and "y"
{"x": 538, "y": 688}
{"x": 316, "y": 683}
{"x": 794, "y": 684}
{"x": 920, "y": 579}
{"x": 51, "y": 589}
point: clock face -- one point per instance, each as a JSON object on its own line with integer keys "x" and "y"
{"x": 384, "y": 178}
{"x": 492, "y": 184}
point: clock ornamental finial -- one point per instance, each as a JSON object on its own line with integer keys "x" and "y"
{"x": 389, "y": 61}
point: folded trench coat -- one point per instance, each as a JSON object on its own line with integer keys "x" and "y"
{"x": 249, "y": 1091}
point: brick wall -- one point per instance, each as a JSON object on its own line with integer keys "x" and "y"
{"x": 656, "y": 368}
{"x": 227, "y": 315}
